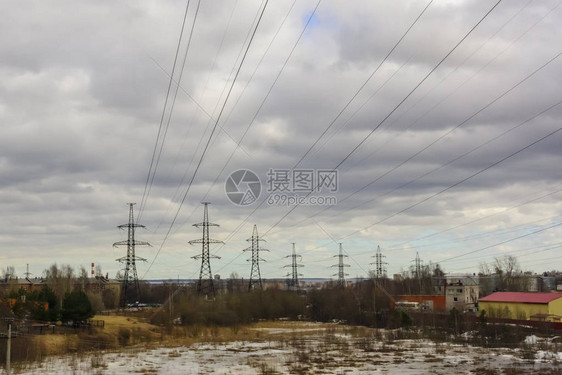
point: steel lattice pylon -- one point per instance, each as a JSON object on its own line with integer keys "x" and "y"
{"x": 418, "y": 266}
{"x": 205, "y": 284}
{"x": 255, "y": 276}
{"x": 341, "y": 274}
{"x": 130, "y": 291}
{"x": 293, "y": 282}
{"x": 380, "y": 264}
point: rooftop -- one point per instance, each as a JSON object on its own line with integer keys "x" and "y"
{"x": 521, "y": 297}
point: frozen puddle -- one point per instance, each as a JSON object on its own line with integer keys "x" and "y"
{"x": 318, "y": 354}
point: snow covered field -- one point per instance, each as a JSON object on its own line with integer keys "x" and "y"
{"x": 308, "y": 353}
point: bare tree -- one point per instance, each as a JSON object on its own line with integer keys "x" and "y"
{"x": 83, "y": 277}
{"x": 509, "y": 273}
{"x": 60, "y": 280}
{"x": 98, "y": 271}
{"x": 10, "y": 273}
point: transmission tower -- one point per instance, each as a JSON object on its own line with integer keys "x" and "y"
{"x": 341, "y": 266}
{"x": 130, "y": 291}
{"x": 255, "y": 276}
{"x": 418, "y": 271}
{"x": 380, "y": 264}
{"x": 205, "y": 284}
{"x": 417, "y": 266}
{"x": 293, "y": 282}
{"x": 27, "y": 273}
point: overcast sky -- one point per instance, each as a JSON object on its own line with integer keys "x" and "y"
{"x": 461, "y": 161}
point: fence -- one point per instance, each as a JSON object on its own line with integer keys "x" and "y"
{"x": 440, "y": 319}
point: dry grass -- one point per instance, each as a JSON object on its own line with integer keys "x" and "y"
{"x": 114, "y": 322}
{"x": 54, "y": 344}
{"x": 98, "y": 338}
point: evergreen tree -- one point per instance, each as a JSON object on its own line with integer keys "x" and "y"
{"x": 76, "y": 307}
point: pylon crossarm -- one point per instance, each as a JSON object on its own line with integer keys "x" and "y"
{"x": 125, "y": 258}
{"x": 257, "y": 239}
{"x": 208, "y": 224}
{"x": 123, "y": 226}
{"x": 199, "y": 256}
{"x": 126, "y": 242}
{"x": 200, "y": 240}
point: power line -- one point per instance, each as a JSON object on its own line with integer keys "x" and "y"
{"x": 268, "y": 92}
{"x": 502, "y": 242}
{"x": 335, "y": 119}
{"x": 238, "y": 143}
{"x": 476, "y": 236}
{"x": 459, "y": 182}
{"x": 363, "y": 85}
{"x": 395, "y": 108}
{"x": 453, "y": 185}
{"x": 548, "y": 248}
{"x": 255, "y": 116}
{"x": 271, "y": 87}
{"x": 429, "y": 110}
{"x": 173, "y": 103}
{"x": 150, "y": 171}
{"x": 211, "y": 118}
{"x": 362, "y": 204}
{"x": 258, "y": 65}
{"x": 210, "y": 137}
{"x": 483, "y": 218}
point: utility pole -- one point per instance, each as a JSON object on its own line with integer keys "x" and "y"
{"x": 255, "y": 276}
{"x": 130, "y": 283}
{"x": 380, "y": 264}
{"x": 171, "y": 302}
{"x": 293, "y": 282}
{"x": 205, "y": 286}
{"x": 8, "y": 349}
{"x": 341, "y": 266}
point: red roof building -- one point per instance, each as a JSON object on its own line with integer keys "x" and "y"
{"x": 524, "y": 306}
{"x": 521, "y": 297}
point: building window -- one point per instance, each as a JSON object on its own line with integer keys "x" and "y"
{"x": 455, "y": 299}
{"x": 459, "y": 290}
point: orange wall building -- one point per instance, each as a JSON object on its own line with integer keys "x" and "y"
{"x": 433, "y": 302}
